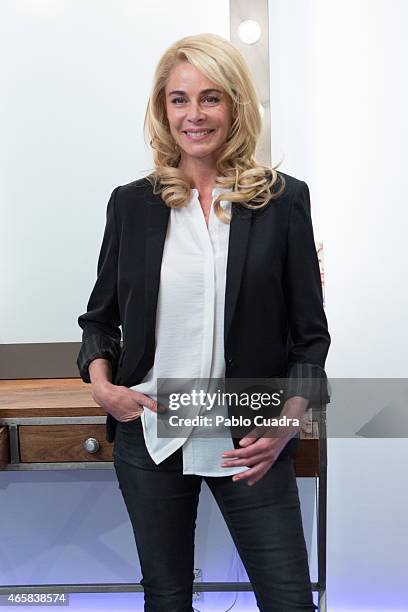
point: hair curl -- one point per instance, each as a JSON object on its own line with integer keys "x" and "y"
{"x": 253, "y": 184}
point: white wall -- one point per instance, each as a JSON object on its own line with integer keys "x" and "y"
{"x": 338, "y": 110}
{"x": 75, "y": 79}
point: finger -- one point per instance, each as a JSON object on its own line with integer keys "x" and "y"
{"x": 259, "y": 446}
{"x": 252, "y": 473}
{"x": 245, "y": 462}
{"x": 131, "y": 414}
{"x": 128, "y": 418}
{"x": 252, "y": 436}
{"x": 254, "y": 480}
{"x": 148, "y": 402}
{"x": 260, "y": 453}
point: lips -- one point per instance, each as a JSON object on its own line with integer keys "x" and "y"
{"x": 197, "y": 134}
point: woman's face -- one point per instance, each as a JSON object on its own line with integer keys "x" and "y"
{"x": 198, "y": 111}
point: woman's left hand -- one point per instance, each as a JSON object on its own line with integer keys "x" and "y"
{"x": 259, "y": 450}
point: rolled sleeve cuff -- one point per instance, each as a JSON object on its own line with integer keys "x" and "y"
{"x": 310, "y": 381}
{"x": 94, "y": 347}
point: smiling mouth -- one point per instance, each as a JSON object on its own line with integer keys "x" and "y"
{"x": 197, "y": 135}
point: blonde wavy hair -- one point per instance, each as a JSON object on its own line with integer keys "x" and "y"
{"x": 253, "y": 184}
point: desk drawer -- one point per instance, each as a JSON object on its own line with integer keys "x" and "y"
{"x": 61, "y": 443}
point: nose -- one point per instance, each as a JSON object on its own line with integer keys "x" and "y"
{"x": 195, "y": 113}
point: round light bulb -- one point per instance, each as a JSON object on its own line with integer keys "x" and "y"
{"x": 249, "y": 31}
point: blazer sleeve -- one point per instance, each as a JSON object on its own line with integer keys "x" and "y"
{"x": 101, "y": 334}
{"x": 309, "y": 339}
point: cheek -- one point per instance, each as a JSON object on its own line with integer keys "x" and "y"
{"x": 171, "y": 116}
{"x": 175, "y": 121}
{"x": 224, "y": 119}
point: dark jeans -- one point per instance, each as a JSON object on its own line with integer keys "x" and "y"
{"x": 264, "y": 521}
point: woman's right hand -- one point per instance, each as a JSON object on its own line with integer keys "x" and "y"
{"x": 122, "y": 403}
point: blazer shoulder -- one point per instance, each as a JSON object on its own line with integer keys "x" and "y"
{"x": 283, "y": 203}
{"x": 136, "y": 185}
{"x": 137, "y": 191}
{"x": 292, "y": 184}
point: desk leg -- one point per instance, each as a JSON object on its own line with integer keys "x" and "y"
{"x": 322, "y": 601}
{"x": 322, "y": 511}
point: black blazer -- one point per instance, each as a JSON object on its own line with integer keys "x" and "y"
{"x": 274, "y": 321}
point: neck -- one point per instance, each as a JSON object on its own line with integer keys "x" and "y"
{"x": 201, "y": 174}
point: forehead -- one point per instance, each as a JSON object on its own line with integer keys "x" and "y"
{"x": 184, "y": 76}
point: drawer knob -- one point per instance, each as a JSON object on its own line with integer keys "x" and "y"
{"x": 91, "y": 445}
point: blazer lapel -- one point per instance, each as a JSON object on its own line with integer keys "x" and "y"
{"x": 158, "y": 215}
{"x": 237, "y": 249}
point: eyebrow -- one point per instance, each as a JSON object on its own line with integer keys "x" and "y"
{"x": 180, "y": 92}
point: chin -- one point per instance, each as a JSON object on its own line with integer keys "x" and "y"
{"x": 204, "y": 149}
{"x": 200, "y": 154}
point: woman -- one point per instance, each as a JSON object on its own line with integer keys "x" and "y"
{"x": 209, "y": 265}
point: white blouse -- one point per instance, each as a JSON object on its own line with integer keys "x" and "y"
{"x": 190, "y": 328}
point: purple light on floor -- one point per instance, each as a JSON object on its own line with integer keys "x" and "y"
{"x": 133, "y": 602}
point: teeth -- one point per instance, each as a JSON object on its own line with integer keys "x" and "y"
{"x": 199, "y": 133}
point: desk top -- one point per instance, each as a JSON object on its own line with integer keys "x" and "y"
{"x": 47, "y": 397}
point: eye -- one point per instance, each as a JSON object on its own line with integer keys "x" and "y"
{"x": 212, "y": 99}
{"x": 175, "y": 100}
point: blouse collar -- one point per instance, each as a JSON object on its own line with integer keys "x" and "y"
{"x": 216, "y": 191}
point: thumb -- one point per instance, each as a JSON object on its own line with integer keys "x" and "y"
{"x": 245, "y": 441}
{"x": 148, "y": 402}
{"x": 250, "y": 438}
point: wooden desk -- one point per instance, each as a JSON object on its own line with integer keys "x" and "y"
{"x": 54, "y": 423}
